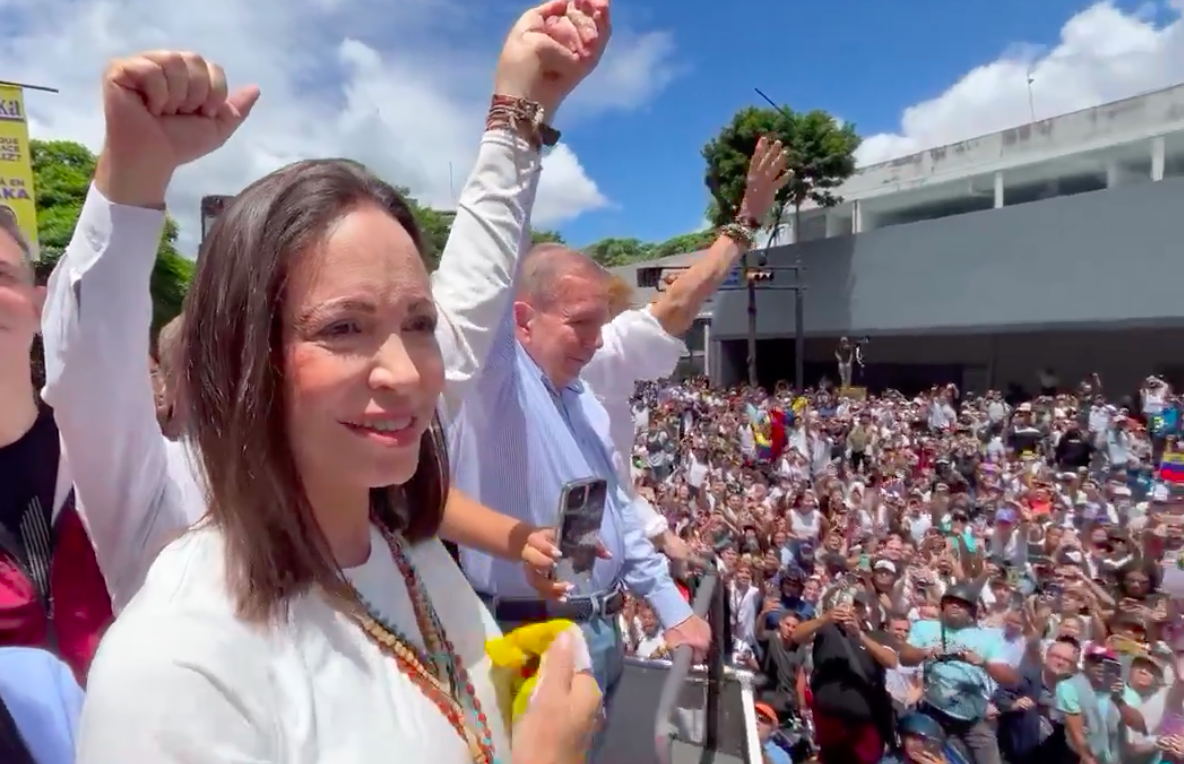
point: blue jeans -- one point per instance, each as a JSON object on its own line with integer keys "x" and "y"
{"x": 607, "y": 650}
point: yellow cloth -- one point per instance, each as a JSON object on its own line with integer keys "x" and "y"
{"x": 516, "y": 657}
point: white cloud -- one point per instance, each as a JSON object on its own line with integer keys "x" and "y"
{"x": 637, "y": 68}
{"x": 1103, "y": 55}
{"x": 401, "y": 86}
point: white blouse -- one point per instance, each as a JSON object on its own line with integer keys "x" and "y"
{"x": 179, "y": 678}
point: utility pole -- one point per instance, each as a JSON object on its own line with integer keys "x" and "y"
{"x": 750, "y": 288}
{"x": 765, "y": 276}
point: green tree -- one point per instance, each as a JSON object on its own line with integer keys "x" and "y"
{"x": 613, "y": 252}
{"x": 436, "y": 225}
{"x": 684, "y": 243}
{"x": 821, "y": 156}
{"x": 62, "y": 171}
{"x": 543, "y": 236}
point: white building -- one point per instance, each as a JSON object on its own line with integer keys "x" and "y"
{"x": 1136, "y": 140}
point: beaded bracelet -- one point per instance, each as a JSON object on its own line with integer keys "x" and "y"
{"x": 742, "y": 233}
{"x": 523, "y": 116}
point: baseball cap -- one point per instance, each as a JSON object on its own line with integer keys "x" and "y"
{"x": 766, "y": 711}
{"x": 1100, "y": 652}
{"x": 885, "y": 564}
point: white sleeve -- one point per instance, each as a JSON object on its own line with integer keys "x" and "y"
{"x": 182, "y": 696}
{"x": 475, "y": 280}
{"x": 652, "y": 522}
{"x": 96, "y": 323}
{"x": 636, "y": 348}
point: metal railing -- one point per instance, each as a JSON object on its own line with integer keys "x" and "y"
{"x": 680, "y": 669}
{"x": 709, "y": 604}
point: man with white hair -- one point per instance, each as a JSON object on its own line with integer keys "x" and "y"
{"x": 528, "y": 427}
{"x": 645, "y": 343}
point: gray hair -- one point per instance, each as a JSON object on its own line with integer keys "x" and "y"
{"x": 547, "y": 263}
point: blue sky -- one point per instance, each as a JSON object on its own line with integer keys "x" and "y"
{"x": 402, "y": 85}
{"x": 862, "y": 60}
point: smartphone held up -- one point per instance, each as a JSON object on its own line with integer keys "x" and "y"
{"x": 581, "y": 512}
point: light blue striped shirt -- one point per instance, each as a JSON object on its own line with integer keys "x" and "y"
{"x": 515, "y": 443}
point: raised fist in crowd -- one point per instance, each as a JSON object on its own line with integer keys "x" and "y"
{"x": 551, "y": 49}
{"x": 167, "y": 108}
{"x": 163, "y": 109}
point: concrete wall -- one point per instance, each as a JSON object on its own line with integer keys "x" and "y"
{"x": 1104, "y": 257}
{"x": 1121, "y": 357}
{"x": 1131, "y": 119}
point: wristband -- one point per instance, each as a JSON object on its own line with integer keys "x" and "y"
{"x": 524, "y": 115}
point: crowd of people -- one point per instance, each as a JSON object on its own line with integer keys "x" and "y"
{"x": 945, "y": 577}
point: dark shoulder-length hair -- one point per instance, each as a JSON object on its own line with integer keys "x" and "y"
{"x": 233, "y": 367}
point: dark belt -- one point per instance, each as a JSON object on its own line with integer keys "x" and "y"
{"x": 523, "y": 610}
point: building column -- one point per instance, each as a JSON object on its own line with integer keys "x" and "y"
{"x": 856, "y": 217}
{"x": 998, "y": 189}
{"x": 832, "y": 223}
{"x": 1157, "y": 157}
{"x": 707, "y": 370}
{"x": 1113, "y": 174}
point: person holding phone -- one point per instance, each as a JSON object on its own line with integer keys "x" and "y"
{"x": 548, "y": 430}
{"x": 1096, "y": 704}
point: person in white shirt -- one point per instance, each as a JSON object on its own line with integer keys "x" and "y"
{"x": 312, "y": 615}
{"x": 642, "y": 344}
{"x": 138, "y": 490}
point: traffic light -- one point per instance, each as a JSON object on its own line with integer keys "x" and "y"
{"x": 756, "y": 275}
{"x": 648, "y": 277}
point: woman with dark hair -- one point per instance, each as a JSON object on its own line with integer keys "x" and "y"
{"x": 313, "y": 615}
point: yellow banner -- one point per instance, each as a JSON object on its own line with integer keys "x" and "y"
{"x": 16, "y": 163}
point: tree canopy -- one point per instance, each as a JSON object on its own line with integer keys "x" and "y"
{"x": 821, "y": 156}
{"x": 435, "y": 225}
{"x": 62, "y": 171}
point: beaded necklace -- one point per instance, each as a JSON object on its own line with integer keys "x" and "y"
{"x": 437, "y": 671}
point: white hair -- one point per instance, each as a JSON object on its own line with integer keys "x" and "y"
{"x": 546, "y": 264}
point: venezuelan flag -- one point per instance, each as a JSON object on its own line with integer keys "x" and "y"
{"x": 1171, "y": 469}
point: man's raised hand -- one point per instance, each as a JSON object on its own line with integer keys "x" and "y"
{"x": 163, "y": 109}
{"x": 551, "y": 49}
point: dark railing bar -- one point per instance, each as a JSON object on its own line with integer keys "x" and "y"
{"x": 680, "y": 668}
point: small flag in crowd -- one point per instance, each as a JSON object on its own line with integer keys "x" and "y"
{"x": 1171, "y": 469}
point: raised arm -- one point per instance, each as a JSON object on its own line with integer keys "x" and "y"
{"x": 547, "y": 53}
{"x": 678, "y": 306}
{"x": 636, "y": 348}
{"x": 98, "y": 383}
{"x": 99, "y": 310}
{"x": 644, "y": 344}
